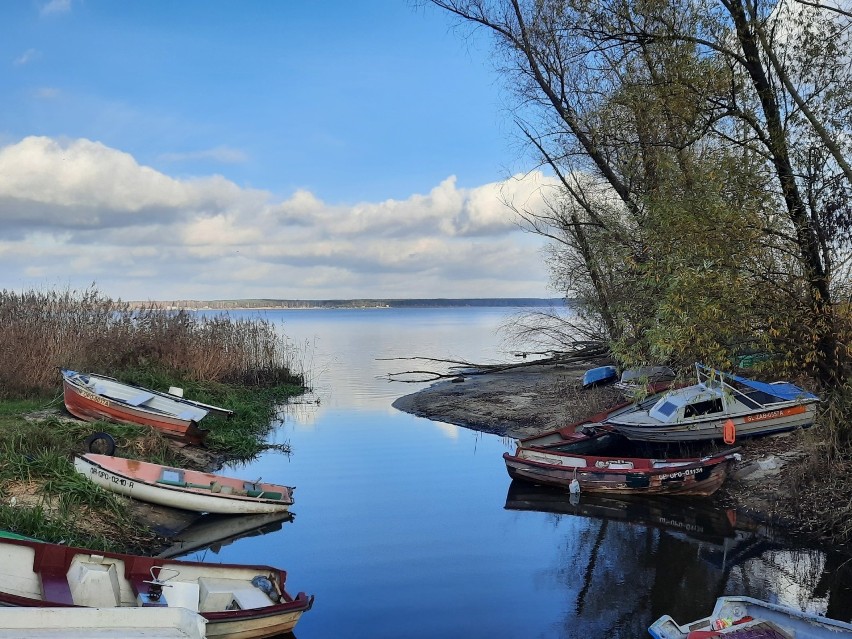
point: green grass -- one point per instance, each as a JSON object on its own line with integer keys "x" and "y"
{"x": 240, "y": 436}
{"x": 70, "y": 509}
{"x": 40, "y": 453}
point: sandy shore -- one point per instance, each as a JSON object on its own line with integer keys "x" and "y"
{"x": 513, "y": 403}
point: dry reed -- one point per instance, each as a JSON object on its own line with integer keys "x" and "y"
{"x": 42, "y": 331}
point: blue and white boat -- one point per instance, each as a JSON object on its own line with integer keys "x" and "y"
{"x": 742, "y": 617}
{"x": 720, "y": 406}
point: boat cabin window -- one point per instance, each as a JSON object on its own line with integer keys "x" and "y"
{"x": 667, "y": 409}
{"x": 706, "y": 407}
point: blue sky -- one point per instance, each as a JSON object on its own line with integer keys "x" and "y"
{"x": 206, "y": 149}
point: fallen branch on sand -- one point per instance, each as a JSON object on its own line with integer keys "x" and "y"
{"x": 581, "y": 353}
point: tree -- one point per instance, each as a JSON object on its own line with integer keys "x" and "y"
{"x": 708, "y": 132}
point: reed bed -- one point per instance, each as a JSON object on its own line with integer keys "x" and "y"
{"x": 42, "y": 331}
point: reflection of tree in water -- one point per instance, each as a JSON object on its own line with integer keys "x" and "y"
{"x": 623, "y": 576}
{"x": 612, "y": 568}
{"x": 807, "y": 579}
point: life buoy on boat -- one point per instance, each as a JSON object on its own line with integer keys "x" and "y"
{"x": 100, "y": 443}
{"x": 729, "y": 432}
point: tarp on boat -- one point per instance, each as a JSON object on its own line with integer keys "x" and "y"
{"x": 781, "y": 390}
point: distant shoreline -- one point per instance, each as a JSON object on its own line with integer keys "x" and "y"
{"x": 275, "y": 305}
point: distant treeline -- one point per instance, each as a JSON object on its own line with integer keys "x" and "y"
{"x": 358, "y": 303}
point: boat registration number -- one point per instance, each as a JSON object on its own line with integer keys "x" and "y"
{"x": 95, "y": 398}
{"x": 774, "y": 414}
{"x": 682, "y": 473}
{"x": 120, "y": 481}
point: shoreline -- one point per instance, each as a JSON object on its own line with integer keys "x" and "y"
{"x": 516, "y": 403}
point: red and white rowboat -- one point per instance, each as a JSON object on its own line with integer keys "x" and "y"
{"x": 92, "y": 397}
{"x": 238, "y": 601}
{"x": 186, "y": 489}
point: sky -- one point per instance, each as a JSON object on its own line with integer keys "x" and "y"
{"x": 211, "y": 149}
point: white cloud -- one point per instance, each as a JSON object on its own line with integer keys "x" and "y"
{"x": 221, "y": 154}
{"x": 55, "y": 7}
{"x": 81, "y": 210}
{"x": 26, "y": 57}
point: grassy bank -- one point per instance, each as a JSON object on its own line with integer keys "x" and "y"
{"x": 247, "y": 366}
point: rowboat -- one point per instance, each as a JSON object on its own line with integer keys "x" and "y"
{"x": 581, "y": 430}
{"x": 92, "y": 397}
{"x": 619, "y": 474}
{"x": 599, "y": 376}
{"x": 744, "y": 617}
{"x": 185, "y": 489}
{"x": 101, "y": 623}
{"x": 720, "y": 406}
{"x": 238, "y": 601}
{"x": 635, "y": 379}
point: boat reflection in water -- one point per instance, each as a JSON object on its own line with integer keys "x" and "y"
{"x": 624, "y": 562}
{"x": 693, "y": 517}
{"x": 214, "y": 531}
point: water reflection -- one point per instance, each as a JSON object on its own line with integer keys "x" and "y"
{"x": 212, "y": 532}
{"x": 405, "y": 528}
{"x": 635, "y": 559}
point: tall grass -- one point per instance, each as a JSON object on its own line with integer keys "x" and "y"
{"x": 43, "y": 496}
{"x": 41, "y": 331}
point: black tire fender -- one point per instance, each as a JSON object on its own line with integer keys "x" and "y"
{"x": 100, "y": 443}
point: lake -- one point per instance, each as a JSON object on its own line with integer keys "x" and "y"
{"x": 407, "y": 528}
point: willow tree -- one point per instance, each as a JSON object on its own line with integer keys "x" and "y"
{"x": 705, "y": 122}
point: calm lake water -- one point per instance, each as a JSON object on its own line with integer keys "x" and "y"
{"x": 406, "y": 527}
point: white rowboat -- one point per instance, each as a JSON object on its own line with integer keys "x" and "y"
{"x": 186, "y": 489}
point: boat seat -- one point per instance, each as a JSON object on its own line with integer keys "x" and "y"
{"x": 55, "y": 587}
{"x": 51, "y": 564}
{"x": 140, "y": 399}
{"x": 222, "y": 594}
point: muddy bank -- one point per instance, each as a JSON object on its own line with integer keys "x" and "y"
{"x": 513, "y": 403}
{"x": 520, "y": 402}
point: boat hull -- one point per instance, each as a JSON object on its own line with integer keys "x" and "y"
{"x": 90, "y": 407}
{"x": 36, "y": 574}
{"x": 97, "y": 469}
{"x": 756, "y": 425}
{"x": 618, "y": 476}
{"x": 719, "y": 406}
{"x": 600, "y": 376}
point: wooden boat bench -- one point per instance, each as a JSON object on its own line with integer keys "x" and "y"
{"x": 51, "y": 565}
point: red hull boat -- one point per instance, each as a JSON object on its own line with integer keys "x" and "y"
{"x": 238, "y": 601}
{"x": 92, "y": 397}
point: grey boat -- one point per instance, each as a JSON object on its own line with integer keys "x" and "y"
{"x": 720, "y": 406}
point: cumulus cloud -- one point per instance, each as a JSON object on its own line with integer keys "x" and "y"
{"x": 82, "y": 210}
